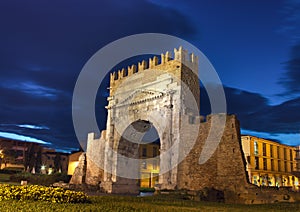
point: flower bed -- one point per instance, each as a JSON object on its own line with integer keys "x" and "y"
{"x": 42, "y": 193}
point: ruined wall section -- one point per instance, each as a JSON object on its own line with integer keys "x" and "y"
{"x": 95, "y": 159}
{"x": 79, "y": 175}
{"x": 224, "y": 170}
{"x": 191, "y": 175}
{"x": 231, "y": 164}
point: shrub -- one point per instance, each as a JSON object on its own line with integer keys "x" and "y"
{"x": 10, "y": 170}
{"x": 40, "y": 179}
{"x": 144, "y": 189}
{"x": 43, "y": 193}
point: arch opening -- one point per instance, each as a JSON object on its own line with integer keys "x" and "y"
{"x": 149, "y": 155}
{"x": 139, "y": 153}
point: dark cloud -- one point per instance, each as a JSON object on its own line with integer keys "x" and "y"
{"x": 44, "y": 45}
{"x": 290, "y": 21}
{"x": 290, "y": 27}
{"x": 256, "y": 114}
{"x": 291, "y": 79}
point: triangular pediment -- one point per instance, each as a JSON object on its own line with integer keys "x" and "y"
{"x": 140, "y": 96}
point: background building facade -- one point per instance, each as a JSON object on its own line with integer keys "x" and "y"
{"x": 149, "y": 164}
{"x": 73, "y": 162}
{"x": 270, "y": 163}
{"x": 31, "y": 157}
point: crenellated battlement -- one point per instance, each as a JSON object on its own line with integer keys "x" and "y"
{"x": 180, "y": 54}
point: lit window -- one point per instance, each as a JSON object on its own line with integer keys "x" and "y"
{"x": 255, "y": 180}
{"x": 255, "y": 148}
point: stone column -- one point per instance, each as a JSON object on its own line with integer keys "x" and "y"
{"x": 168, "y": 157}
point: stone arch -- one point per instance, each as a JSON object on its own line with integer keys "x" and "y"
{"x": 164, "y": 95}
{"x": 132, "y": 134}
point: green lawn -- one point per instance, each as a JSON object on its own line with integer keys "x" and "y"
{"x": 156, "y": 203}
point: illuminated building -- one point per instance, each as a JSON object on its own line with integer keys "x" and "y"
{"x": 15, "y": 154}
{"x": 149, "y": 164}
{"x": 298, "y": 159}
{"x": 270, "y": 163}
{"x": 73, "y": 162}
{"x": 54, "y": 161}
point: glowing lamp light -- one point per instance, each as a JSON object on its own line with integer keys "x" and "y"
{"x": 50, "y": 170}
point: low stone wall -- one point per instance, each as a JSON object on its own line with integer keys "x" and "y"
{"x": 266, "y": 195}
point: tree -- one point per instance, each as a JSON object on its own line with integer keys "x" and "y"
{"x": 38, "y": 161}
{"x": 30, "y": 157}
{"x": 57, "y": 162}
{"x": 7, "y": 155}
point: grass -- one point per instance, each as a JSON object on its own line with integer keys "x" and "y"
{"x": 154, "y": 203}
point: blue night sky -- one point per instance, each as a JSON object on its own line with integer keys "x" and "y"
{"x": 253, "y": 45}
